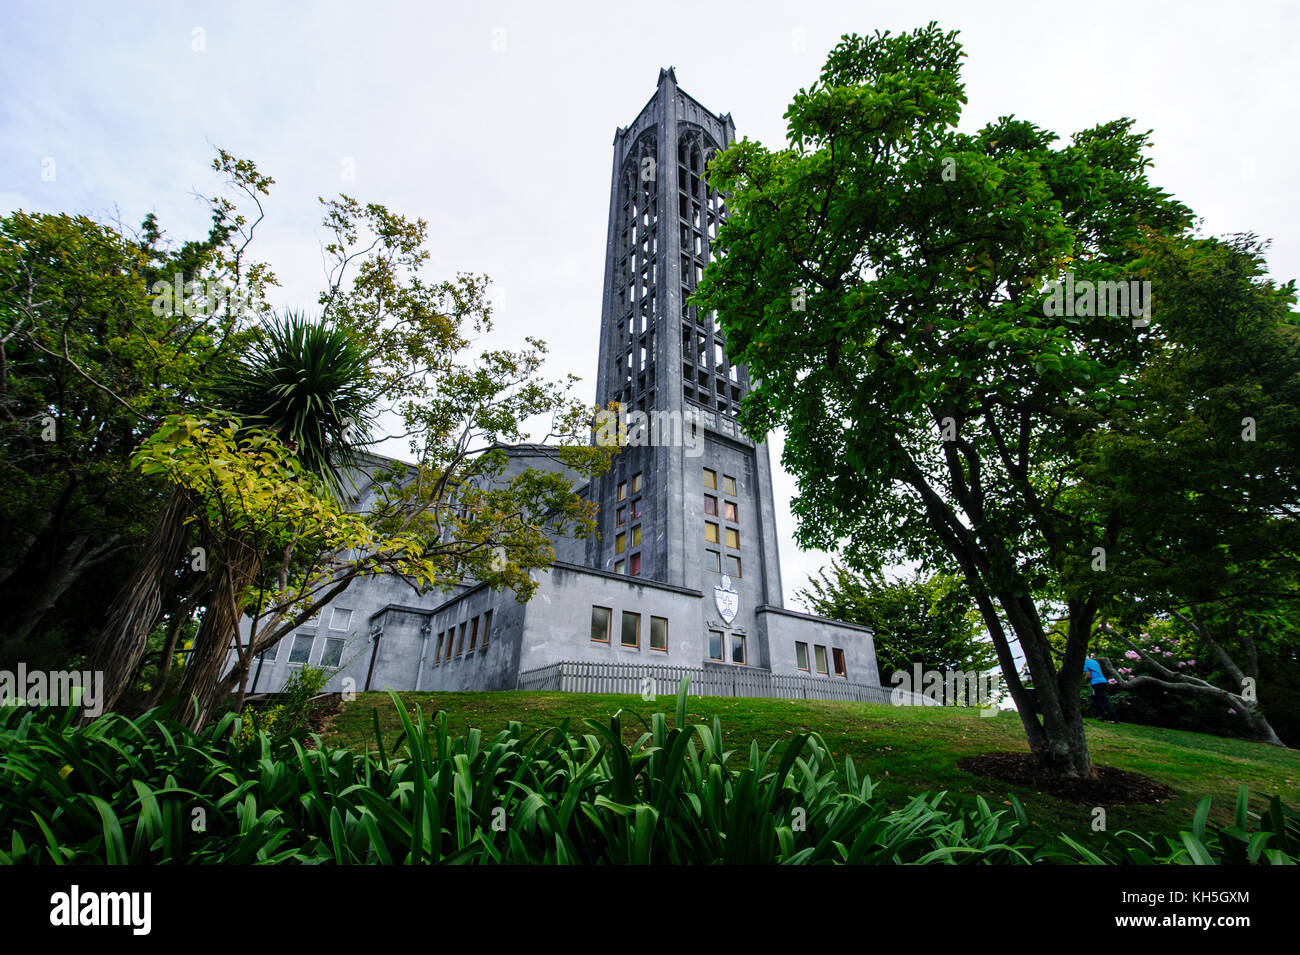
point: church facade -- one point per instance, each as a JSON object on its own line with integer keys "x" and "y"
{"x": 684, "y": 578}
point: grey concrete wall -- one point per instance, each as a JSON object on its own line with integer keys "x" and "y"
{"x": 784, "y": 628}
{"x": 557, "y": 623}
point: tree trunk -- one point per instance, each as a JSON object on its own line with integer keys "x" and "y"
{"x": 137, "y": 606}
{"x": 217, "y": 632}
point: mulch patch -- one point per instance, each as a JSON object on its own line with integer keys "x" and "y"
{"x": 321, "y": 711}
{"x": 1111, "y": 787}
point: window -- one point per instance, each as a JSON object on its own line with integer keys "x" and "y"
{"x": 711, "y": 532}
{"x": 270, "y": 653}
{"x": 634, "y": 565}
{"x": 473, "y": 634}
{"x": 821, "y": 659}
{"x": 715, "y": 644}
{"x": 730, "y": 512}
{"x": 622, "y": 490}
{"x": 838, "y": 656}
{"x": 437, "y": 648}
{"x": 340, "y": 619}
{"x": 620, "y": 543}
{"x": 659, "y": 634}
{"x": 487, "y": 628}
{"x": 710, "y": 479}
{"x": 631, "y": 629}
{"x": 728, "y": 484}
{"x": 733, "y": 565}
{"x": 713, "y": 561}
{"x": 636, "y": 536}
{"x": 600, "y": 617}
{"x": 636, "y": 509}
{"x": 738, "y": 648}
{"x": 636, "y": 483}
{"x": 801, "y": 655}
{"x": 621, "y": 516}
{"x": 301, "y": 652}
{"x": 451, "y": 640}
{"x": 618, "y": 566}
{"x": 710, "y": 505}
{"x": 333, "y": 652}
{"x": 733, "y": 538}
{"x": 460, "y": 639}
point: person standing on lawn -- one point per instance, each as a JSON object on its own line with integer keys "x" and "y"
{"x": 1101, "y": 705}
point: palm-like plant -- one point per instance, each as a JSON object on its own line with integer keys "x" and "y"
{"x": 311, "y": 384}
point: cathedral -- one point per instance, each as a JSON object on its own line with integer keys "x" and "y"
{"x": 684, "y": 578}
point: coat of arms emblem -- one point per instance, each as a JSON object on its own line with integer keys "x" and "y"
{"x": 727, "y": 599}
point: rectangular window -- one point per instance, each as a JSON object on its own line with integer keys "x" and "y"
{"x": 618, "y": 566}
{"x": 733, "y": 538}
{"x": 636, "y": 509}
{"x": 622, "y": 490}
{"x": 620, "y": 543}
{"x": 838, "y": 655}
{"x": 715, "y": 644}
{"x": 733, "y": 565}
{"x": 301, "y": 652}
{"x": 634, "y": 565}
{"x": 659, "y": 633}
{"x": 730, "y": 511}
{"x": 600, "y": 617}
{"x": 636, "y": 483}
{"x": 460, "y": 639}
{"x": 340, "y": 619}
{"x": 801, "y": 655}
{"x": 728, "y": 484}
{"x": 710, "y": 505}
{"x": 737, "y": 648}
{"x": 437, "y": 649}
{"x": 631, "y": 629}
{"x": 713, "y": 561}
{"x": 451, "y": 642}
{"x": 711, "y": 532}
{"x": 621, "y": 516}
{"x": 473, "y": 634}
{"x": 271, "y": 652}
{"x": 333, "y": 652}
{"x": 821, "y": 659}
{"x": 487, "y": 628}
{"x": 710, "y": 479}
{"x": 636, "y": 536}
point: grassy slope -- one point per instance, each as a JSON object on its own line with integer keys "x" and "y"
{"x": 905, "y": 749}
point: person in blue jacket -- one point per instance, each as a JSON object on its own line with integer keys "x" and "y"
{"x": 1101, "y": 705}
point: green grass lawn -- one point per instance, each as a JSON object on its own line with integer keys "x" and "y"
{"x": 906, "y": 750}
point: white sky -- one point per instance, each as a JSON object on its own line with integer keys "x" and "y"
{"x": 506, "y": 152}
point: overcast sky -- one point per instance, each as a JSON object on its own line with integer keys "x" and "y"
{"x": 494, "y": 121}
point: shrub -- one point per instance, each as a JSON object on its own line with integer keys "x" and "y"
{"x": 133, "y": 791}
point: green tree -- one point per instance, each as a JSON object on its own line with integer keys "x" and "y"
{"x": 885, "y": 278}
{"x": 309, "y": 383}
{"x": 1198, "y": 474}
{"x": 282, "y": 547}
{"x": 87, "y": 366}
{"x": 925, "y": 619}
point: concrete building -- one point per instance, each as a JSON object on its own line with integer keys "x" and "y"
{"x": 685, "y": 577}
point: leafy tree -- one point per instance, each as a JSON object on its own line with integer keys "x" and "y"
{"x": 211, "y": 314}
{"x": 923, "y": 619}
{"x": 87, "y": 365}
{"x": 885, "y": 278}
{"x": 1198, "y": 475}
{"x": 309, "y": 383}
{"x": 281, "y": 544}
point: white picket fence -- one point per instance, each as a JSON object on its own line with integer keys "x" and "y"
{"x": 576, "y": 677}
